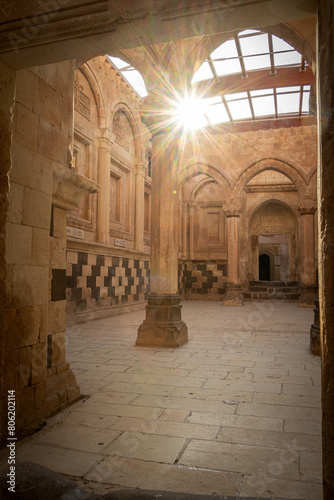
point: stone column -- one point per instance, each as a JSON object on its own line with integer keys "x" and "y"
{"x": 191, "y": 229}
{"x": 184, "y": 229}
{"x": 308, "y": 279}
{"x": 325, "y": 104}
{"x": 139, "y": 213}
{"x": 163, "y": 325}
{"x": 103, "y": 197}
{"x": 233, "y": 295}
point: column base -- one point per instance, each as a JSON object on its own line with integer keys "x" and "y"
{"x": 163, "y": 326}
{"x": 308, "y": 294}
{"x": 233, "y": 295}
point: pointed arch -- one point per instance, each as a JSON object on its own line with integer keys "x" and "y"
{"x": 97, "y": 92}
{"x": 278, "y": 165}
{"x": 270, "y": 198}
{"x": 199, "y": 167}
{"x": 134, "y": 124}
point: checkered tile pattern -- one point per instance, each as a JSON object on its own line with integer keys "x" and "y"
{"x": 106, "y": 280}
{"x": 202, "y": 278}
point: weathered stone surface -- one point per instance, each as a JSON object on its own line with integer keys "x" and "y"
{"x": 325, "y": 69}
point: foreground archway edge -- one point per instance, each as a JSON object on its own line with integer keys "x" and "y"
{"x": 43, "y": 36}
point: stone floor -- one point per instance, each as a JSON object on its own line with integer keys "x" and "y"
{"x": 235, "y": 411}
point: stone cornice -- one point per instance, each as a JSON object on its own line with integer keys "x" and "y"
{"x": 69, "y": 187}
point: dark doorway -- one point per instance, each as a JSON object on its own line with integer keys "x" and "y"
{"x": 264, "y": 267}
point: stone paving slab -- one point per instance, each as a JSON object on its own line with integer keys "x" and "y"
{"x": 234, "y": 412}
{"x": 237, "y": 458}
{"x": 132, "y": 473}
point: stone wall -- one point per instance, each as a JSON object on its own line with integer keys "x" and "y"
{"x": 7, "y": 95}
{"x": 34, "y": 315}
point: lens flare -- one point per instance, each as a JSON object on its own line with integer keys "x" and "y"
{"x": 189, "y": 113}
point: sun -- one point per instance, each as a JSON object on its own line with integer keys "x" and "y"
{"x": 189, "y": 113}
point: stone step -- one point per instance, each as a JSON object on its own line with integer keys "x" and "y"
{"x": 273, "y": 289}
{"x": 275, "y": 296}
{"x": 275, "y": 284}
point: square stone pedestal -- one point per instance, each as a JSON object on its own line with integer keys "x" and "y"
{"x": 233, "y": 295}
{"x": 163, "y": 325}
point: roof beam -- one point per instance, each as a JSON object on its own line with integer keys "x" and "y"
{"x": 256, "y": 80}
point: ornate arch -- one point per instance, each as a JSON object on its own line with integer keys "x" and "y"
{"x": 278, "y": 165}
{"x": 122, "y": 106}
{"x": 200, "y": 186}
{"x": 98, "y": 95}
{"x": 197, "y": 168}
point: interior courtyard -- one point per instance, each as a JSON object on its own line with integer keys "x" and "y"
{"x": 166, "y": 244}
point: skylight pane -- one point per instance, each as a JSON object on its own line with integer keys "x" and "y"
{"x": 136, "y": 80}
{"x": 287, "y": 58}
{"x": 248, "y": 32}
{"x": 306, "y": 102}
{"x": 283, "y": 90}
{"x": 228, "y": 67}
{"x": 279, "y": 44}
{"x": 254, "y": 93}
{"x": 240, "y": 109}
{"x": 264, "y": 106}
{"x": 238, "y": 95}
{"x": 203, "y": 73}
{"x": 288, "y": 103}
{"x": 257, "y": 62}
{"x": 257, "y": 44}
{"x": 227, "y": 49}
{"x": 217, "y": 114}
{"x": 307, "y": 87}
{"x": 119, "y": 63}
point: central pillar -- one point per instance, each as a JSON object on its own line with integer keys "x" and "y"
{"x": 308, "y": 289}
{"x": 233, "y": 295}
{"x": 163, "y": 325}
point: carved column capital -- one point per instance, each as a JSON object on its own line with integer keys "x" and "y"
{"x": 233, "y": 209}
{"x": 104, "y": 141}
{"x": 307, "y": 207}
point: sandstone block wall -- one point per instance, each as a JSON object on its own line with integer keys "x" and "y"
{"x": 34, "y": 316}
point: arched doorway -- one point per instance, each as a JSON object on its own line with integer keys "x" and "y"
{"x": 264, "y": 267}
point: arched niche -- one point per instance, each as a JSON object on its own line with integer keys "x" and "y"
{"x": 273, "y": 230}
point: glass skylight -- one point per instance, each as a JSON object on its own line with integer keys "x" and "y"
{"x": 249, "y": 51}
{"x": 264, "y": 106}
{"x": 131, "y": 75}
{"x": 257, "y": 104}
{"x": 255, "y": 57}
